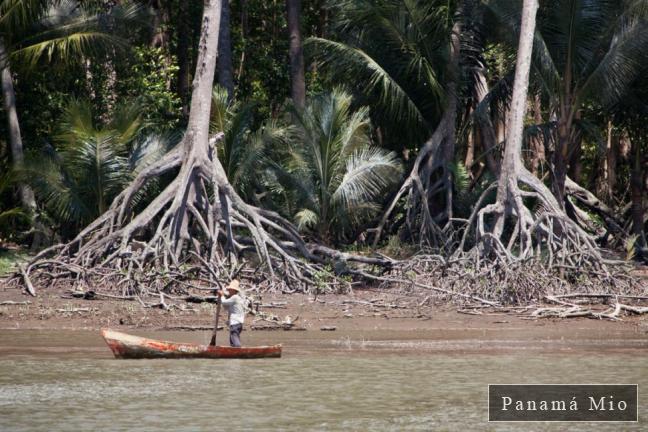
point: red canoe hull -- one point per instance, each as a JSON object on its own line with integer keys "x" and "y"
{"x": 125, "y": 346}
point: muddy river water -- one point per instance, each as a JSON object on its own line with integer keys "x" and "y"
{"x": 68, "y": 381}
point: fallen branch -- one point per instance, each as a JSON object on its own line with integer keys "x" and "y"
{"x": 27, "y": 280}
{"x": 14, "y": 303}
{"x": 190, "y": 328}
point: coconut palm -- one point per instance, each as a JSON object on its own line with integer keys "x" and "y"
{"x": 630, "y": 112}
{"x": 333, "y": 177}
{"x": 90, "y": 164}
{"x": 395, "y": 54}
{"x": 245, "y": 145}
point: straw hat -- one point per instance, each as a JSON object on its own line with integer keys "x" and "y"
{"x": 234, "y": 286}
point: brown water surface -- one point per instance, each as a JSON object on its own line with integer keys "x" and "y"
{"x": 360, "y": 381}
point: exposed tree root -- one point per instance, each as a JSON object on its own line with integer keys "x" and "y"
{"x": 508, "y": 230}
{"x": 196, "y": 228}
{"x": 613, "y": 224}
{"x": 429, "y": 185}
{"x": 429, "y": 181}
{"x": 570, "y": 307}
{"x": 469, "y": 279}
{"x": 197, "y": 231}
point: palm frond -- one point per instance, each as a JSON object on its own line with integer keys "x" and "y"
{"x": 306, "y": 218}
{"x": 620, "y": 65}
{"x": 78, "y": 180}
{"x": 368, "y": 172}
{"x": 354, "y": 65}
{"x": 13, "y": 215}
{"x": 16, "y": 15}
{"x": 67, "y": 31}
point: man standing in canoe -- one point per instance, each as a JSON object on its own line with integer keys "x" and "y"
{"x": 232, "y": 300}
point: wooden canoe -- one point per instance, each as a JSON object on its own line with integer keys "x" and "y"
{"x": 126, "y": 346}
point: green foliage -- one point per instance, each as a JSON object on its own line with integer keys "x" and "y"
{"x": 599, "y": 46}
{"x": 260, "y": 55}
{"x": 331, "y": 173}
{"x": 147, "y": 75}
{"x": 62, "y": 31}
{"x": 91, "y": 163}
{"x": 11, "y": 218}
{"x": 395, "y": 54}
{"x": 260, "y": 51}
{"x": 243, "y": 151}
{"x": 322, "y": 278}
{"x": 10, "y": 259}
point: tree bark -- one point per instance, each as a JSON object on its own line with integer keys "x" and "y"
{"x": 560, "y": 159}
{"x": 296, "y": 54}
{"x": 637, "y": 193}
{"x": 537, "y": 142}
{"x": 15, "y": 138}
{"x": 201, "y": 95}
{"x": 160, "y": 37}
{"x": 485, "y": 133}
{"x": 558, "y": 238}
{"x": 611, "y": 162}
{"x": 225, "y": 69}
{"x": 184, "y": 61}
{"x": 509, "y": 199}
{"x": 512, "y": 163}
{"x": 576, "y": 153}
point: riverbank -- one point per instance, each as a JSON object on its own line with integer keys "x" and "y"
{"x": 364, "y": 320}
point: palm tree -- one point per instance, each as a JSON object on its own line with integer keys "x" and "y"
{"x": 51, "y": 30}
{"x": 630, "y": 112}
{"x": 585, "y": 51}
{"x": 296, "y": 53}
{"x": 91, "y": 164}
{"x": 244, "y": 149}
{"x": 331, "y": 173}
{"x": 395, "y": 54}
{"x": 224, "y": 62}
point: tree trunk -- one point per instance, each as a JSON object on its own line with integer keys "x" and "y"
{"x": 611, "y": 162}
{"x": 184, "y": 61}
{"x": 556, "y": 236}
{"x": 13, "y": 126}
{"x": 225, "y": 69}
{"x": 201, "y": 95}
{"x": 429, "y": 184}
{"x": 512, "y": 161}
{"x": 576, "y": 153}
{"x": 637, "y": 193}
{"x": 296, "y": 54}
{"x": 470, "y": 150}
{"x": 537, "y": 142}
{"x": 160, "y": 37}
{"x": 485, "y": 133}
{"x": 560, "y": 160}
{"x": 244, "y": 31}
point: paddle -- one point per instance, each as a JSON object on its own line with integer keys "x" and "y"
{"x": 213, "y": 339}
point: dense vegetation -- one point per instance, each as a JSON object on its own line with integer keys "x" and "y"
{"x": 346, "y": 123}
